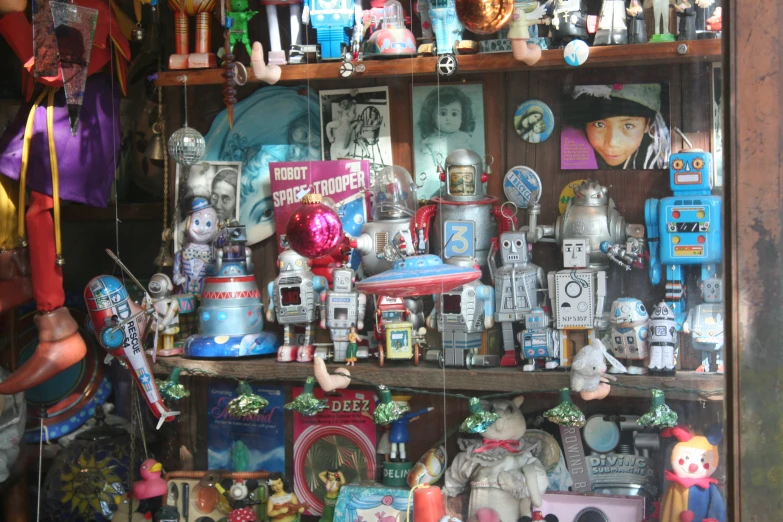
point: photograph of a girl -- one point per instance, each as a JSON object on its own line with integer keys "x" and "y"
{"x": 620, "y": 126}
{"x": 533, "y": 121}
{"x": 445, "y": 119}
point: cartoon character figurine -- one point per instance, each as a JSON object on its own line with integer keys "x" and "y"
{"x": 539, "y": 341}
{"x": 241, "y": 497}
{"x": 342, "y": 312}
{"x": 629, "y": 322}
{"x": 293, "y": 299}
{"x": 663, "y": 340}
{"x": 166, "y": 318}
{"x": 517, "y": 285}
{"x": 332, "y": 21}
{"x": 686, "y": 13}
{"x": 333, "y": 480}
{"x": 684, "y": 229}
{"x": 692, "y": 493}
{"x": 196, "y": 258}
{"x": 237, "y": 20}
{"x": 526, "y": 13}
{"x": 462, "y": 315}
{"x": 569, "y": 22}
{"x": 705, "y": 324}
{"x": 500, "y": 468}
{"x": 612, "y": 29}
{"x": 637, "y": 30}
{"x": 661, "y": 21}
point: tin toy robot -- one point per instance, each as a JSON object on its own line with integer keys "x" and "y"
{"x": 333, "y": 21}
{"x": 685, "y": 228}
{"x": 293, "y": 299}
{"x": 663, "y": 340}
{"x": 539, "y": 341}
{"x": 705, "y": 324}
{"x": 629, "y": 320}
{"x": 578, "y": 293}
{"x": 166, "y": 323}
{"x": 517, "y": 285}
{"x": 341, "y": 308}
{"x": 234, "y": 257}
{"x": 612, "y": 29}
{"x": 196, "y": 258}
{"x": 468, "y": 217}
{"x": 462, "y": 315}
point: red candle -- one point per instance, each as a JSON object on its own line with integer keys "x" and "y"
{"x": 428, "y": 504}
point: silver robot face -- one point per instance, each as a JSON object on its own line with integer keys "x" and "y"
{"x": 591, "y": 194}
{"x": 712, "y": 290}
{"x": 513, "y": 248}
{"x": 576, "y": 253}
{"x": 290, "y": 261}
{"x": 536, "y": 318}
{"x": 463, "y": 173}
{"x": 342, "y": 279}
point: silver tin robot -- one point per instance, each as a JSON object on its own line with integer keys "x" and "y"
{"x": 663, "y": 340}
{"x": 539, "y": 341}
{"x": 462, "y": 315}
{"x": 293, "y": 299}
{"x": 233, "y": 258}
{"x": 629, "y": 333}
{"x": 341, "y": 308}
{"x": 517, "y": 285}
{"x": 705, "y": 325}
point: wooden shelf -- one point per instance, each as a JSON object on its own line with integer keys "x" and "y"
{"x": 429, "y": 376}
{"x": 125, "y": 212}
{"x": 611, "y": 56}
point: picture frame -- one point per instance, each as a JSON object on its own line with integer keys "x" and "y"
{"x": 200, "y": 180}
{"x": 462, "y": 127}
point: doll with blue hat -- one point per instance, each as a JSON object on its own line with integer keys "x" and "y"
{"x": 196, "y": 259}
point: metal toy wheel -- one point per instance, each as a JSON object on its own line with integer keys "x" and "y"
{"x": 381, "y": 357}
{"x": 415, "y": 354}
{"x": 346, "y": 70}
{"x": 469, "y": 360}
{"x": 441, "y": 359}
{"x": 447, "y": 65}
{"x": 111, "y": 340}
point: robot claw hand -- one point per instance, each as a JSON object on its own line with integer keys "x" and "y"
{"x": 630, "y": 255}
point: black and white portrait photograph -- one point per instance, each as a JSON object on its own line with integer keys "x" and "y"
{"x": 355, "y": 125}
{"x": 217, "y": 181}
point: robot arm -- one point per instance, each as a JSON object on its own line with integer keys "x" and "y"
{"x": 600, "y": 297}
{"x": 686, "y": 326}
{"x": 218, "y": 260}
{"x": 534, "y": 231}
{"x": 493, "y": 248}
{"x": 364, "y": 244}
{"x": 248, "y": 261}
{"x": 171, "y": 313}
{"x": 320, "y": 284}
{"x": 487, "y": 294}
{"x": 420, "y": 225}
{"x": 270, "y": 311}
{"x": 361, "y": 310}
{"x": 651, "y": 221}
{"x": 550, "y": 277}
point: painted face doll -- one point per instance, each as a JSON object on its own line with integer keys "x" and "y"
{"x": 196, "y": 259}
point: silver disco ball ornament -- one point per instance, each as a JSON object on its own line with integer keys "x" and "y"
{"x": 186, "y": 146}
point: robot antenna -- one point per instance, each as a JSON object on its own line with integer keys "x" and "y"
{"x": 509, "y": 216}
{"x": 684, "y": 138}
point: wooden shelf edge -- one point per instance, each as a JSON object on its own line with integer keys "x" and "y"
{"x": 610, "y": 56}
{"x": 124, "y": 211}
{"x": 429, "y": 376}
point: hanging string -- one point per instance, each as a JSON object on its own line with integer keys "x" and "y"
{"x": 40, "y": 468}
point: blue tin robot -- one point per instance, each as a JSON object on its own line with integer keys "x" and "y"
{"x": 448, "y": 31}
{"x": 684, "y": 229}
{"x": 333, "y": 21}
{"x": 539, "y": 341}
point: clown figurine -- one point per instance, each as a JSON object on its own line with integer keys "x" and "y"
{"x": 166, "y": 322}
{"x": 195, "y": 261}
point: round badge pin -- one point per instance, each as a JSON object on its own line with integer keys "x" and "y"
{"x": 567, "y": 194}
{"x": 534, "y": 121}
{"x": 576, "y": 53}
{"x": 522, "y": 186}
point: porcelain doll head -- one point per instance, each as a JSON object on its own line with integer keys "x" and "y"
{"x": 202, "y": 223}
{"x": 511, "y": 424}
{"x": 694, "y": 456}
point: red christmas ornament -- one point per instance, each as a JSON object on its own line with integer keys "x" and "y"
{"x": 314, "y": 229}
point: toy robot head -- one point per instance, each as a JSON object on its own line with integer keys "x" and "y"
{"x": 690, "y": 172}
{"x": 662, "y": 312}
{"x": 342, "y": 279}
{"x": 464, "y": 175}
{"x": 591, "y": 194}
{"x": 290, "y": 261}
{"x": 576, "y": 253}
{"x": 236, "y": 233}
{"x": 712, "y": 290}
{"x": 628, "y": 312}
{"x": 394, "y": 194}
{"x": 160, "y": 286}
{"x": 513, "y": 248}
{"x": 536, "y": 318}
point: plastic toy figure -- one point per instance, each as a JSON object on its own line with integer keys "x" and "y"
{"x": 705, "y": 324}
{"x": 342, "y": 310}
{"x": 283, "y": 504}
{"x": 661, "y": 21}
{"x": 691, "y": 493}
{"x": 234, "y": 258}
{"x": 276, "y": 54}
{"x": 517, "y": 285}
{"x": 663, "y": 340}
{"x": 166, "y": 318}
{"x": 611, "y": 24}
{"x": 398, "y": 430}
{"x": 539, "y": 341}
{"x": 352, "y": 353}
{"x": 462, "y": 315}
{"x": 293, "y": 300}
{"x": 626, "y": 256}
{"x": 629, "y": 322}
{"x": 686, "y": 13}
{"x": 240, "y": 496}
{"x": 196, "y": 259}
{"x": 467, "y": 219}
{"x": 333, "y": 480}
{"x": 568, "y": 21}
{"x": 577, "y": 293}
{"x": 182, "y": 58}
{"x": 240, "y": 16}
{"x": 637, "y": 30}
{"x": 150, "y": 485}
{"x": 526, "y": 13}
{"x": 332, "y": 21}
{"x": 685, "y": 228}
{"x": 448, "y": 31}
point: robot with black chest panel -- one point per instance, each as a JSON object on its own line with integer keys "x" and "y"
{"x": 342, "y": 307}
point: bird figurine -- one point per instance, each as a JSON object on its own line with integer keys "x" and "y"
{"x": 151, "y": 485}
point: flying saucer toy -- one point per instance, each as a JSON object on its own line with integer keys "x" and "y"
{"x": 418, "y": 275}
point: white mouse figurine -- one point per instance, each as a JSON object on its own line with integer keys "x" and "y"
{"x": 588, "y": 371}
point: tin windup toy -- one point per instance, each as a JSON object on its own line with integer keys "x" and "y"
{"x": 663, "y": 340}
{"x": 539, "y": 341}
{"x": 342, "y": 309}
{"x": 685, "y": 229}
{"x": 233, "y": 258}
{"x": 629, "y": 323}
{"x": 166, "y": 317}
{"x": 462, "y": 316}
{"x": 196, "y": 258}
{"x": 293, "y": 299}
{"x": 332, "y": 19}
{"x": 448, "y": 32}
{"x": 705, "y": 324}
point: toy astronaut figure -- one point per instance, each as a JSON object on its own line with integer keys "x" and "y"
{"x": 629, "y": 322}
{"x": 196, "y": 258}
{"x": 517, "y": 285}
{"x": 293, "y": 300}
{"x": 166, "y": 318}
{"x": 611, "y": 24}
{"x": 332, "y": 21}
{"x": 539, "y": 341}
{"x": 342, "y": 307}
{"x": 462, "y": 315}
{"x": 577, "y": 293}
{"x": 663, "y": 340}
{"x": 705, "y": 324}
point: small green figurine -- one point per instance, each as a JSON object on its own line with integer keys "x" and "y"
{"x": 240, "y": 16}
